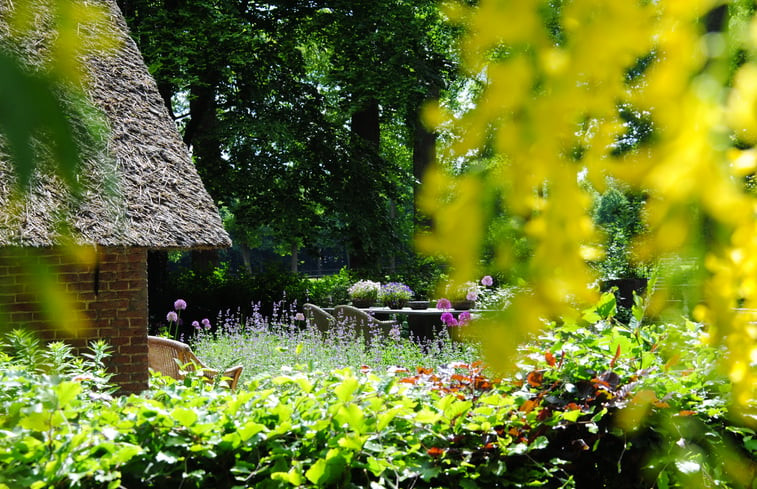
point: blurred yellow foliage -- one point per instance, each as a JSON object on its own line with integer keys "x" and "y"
{"x": 61, "y": 33}
{"x": 549, "y": 109}
{"x": 78, "y": 27}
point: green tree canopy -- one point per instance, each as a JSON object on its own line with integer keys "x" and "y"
{"x": 286, "y": 107}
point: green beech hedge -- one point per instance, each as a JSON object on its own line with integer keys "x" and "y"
{"x": 595, "y": 404}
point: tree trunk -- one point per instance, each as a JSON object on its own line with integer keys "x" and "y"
{"x": 424, "y": 153}
{"x": 293, "y": 263}
{"x": 246, "y": 258}
{"x": 366, "y": 133}
{"x": 202, "y": 134}
{"x": 365, "y": 124}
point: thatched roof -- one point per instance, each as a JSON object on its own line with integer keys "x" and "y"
{"x": 140, "y": 187}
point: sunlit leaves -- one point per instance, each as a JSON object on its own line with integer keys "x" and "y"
{"x": 552, "y": 113}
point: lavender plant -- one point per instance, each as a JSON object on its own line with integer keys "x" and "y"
{"x": 267, "y": 345}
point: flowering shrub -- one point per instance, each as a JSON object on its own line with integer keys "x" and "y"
{"x": 395, "y": 294}
{"x": 366, "y": 290}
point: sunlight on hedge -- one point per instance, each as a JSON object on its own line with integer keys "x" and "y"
{"x": 549, "y": 112}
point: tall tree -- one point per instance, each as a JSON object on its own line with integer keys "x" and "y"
{"x": 387, "y": 58}
{"x": 283, "y": 103}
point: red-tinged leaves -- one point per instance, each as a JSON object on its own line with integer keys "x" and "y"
{"x": 409, "y": 380}
{"x": 535, "y": 378}
{"x": 550, "y": 358}
{"x": 686, "y": 412}
{"x": 481, "y": 383}
{"x": 529, "y": 405}
{"x": 435, "y": 451}
{"x": 661, "y": 404}
{"x": 543, "y": 414}
{"x": 615, "y": 358}
{"x": 425, "y": 370}
{"x": 611, "y": 379}
{"x": 600, "y": 383}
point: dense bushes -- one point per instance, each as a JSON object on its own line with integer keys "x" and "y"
{"x": 595, "y": 404}
{"x": 226, "y": 288}
{"x": 223, "y": 288}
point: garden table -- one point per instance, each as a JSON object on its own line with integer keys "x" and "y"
{"x": 423, "y": 323}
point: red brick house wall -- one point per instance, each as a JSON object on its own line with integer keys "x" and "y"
{"x": 108, "y": 300}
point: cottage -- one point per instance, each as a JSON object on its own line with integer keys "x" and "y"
{"x": 141, "y": 192}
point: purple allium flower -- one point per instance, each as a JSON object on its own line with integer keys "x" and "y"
{"x": 447, "y": 317}
{"x": 172, "y": 317}
{"x": 487, "y": 280}
{"x": 195, "y": 325}
{"x": 472, "y": 295}
{"x": 299, "y": 317}
{"x": 443, "y": 304}
{"x": 463, "y": 318}
{"x": 180, "y": 304}
{"x": 206, "y": 323}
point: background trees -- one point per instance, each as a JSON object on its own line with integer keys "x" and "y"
{"x": 303, "y": 116}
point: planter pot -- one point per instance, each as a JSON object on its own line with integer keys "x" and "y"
{"x": 362, "y": 303}
{"x": 418, "y": 304}
{"x": 396, "y": 304}
{"x": 462, "y": 305}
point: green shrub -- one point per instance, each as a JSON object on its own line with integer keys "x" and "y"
{"x": 595, "y": 403}
{"x": 330, "y": 290}
{"x": 223, "y": 288}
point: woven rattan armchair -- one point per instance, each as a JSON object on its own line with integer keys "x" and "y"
{"x": 318, "y": 317}
{"x": 169, "y": 356}
{"x": 364, "y": 324}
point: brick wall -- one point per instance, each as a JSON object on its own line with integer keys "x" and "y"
{"x": 80, "y": 295}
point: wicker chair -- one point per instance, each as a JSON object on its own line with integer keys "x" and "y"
{"x": 364, "y": 324}
{"x": 166, "y": 356}
{"x": 320, "y": 318}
